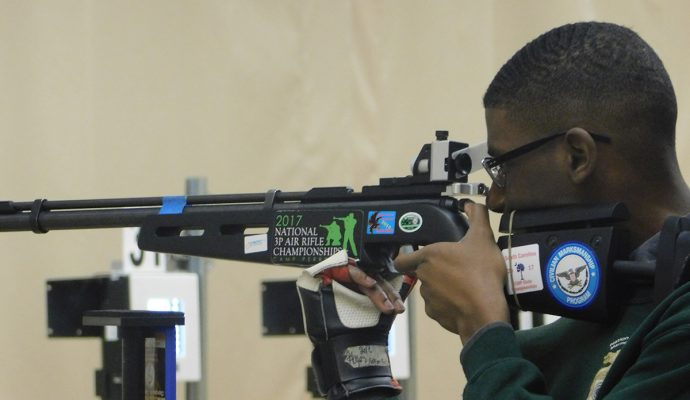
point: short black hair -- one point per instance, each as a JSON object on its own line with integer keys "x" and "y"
{"x": 599, "y": 76}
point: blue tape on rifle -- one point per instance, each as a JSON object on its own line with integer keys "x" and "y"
{"x": 173, "y": 205}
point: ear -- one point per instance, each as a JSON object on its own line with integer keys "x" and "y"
{"x": 581, "y": 154}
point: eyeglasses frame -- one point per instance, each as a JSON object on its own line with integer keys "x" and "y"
{"x": 490, "y": 163}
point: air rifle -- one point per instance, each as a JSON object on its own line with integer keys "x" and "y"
{"x": 288, "y": 228}
{"x": 546, "y": 249}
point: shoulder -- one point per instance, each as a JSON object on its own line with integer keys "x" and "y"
{"x": 554, "y": 331}
{"x": 673, "y": 312}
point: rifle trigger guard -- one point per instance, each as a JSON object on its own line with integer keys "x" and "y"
{"x": 36, "y": 209}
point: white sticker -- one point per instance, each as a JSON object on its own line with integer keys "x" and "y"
{"x": 255, "y": 243}
{"x": 526, "y": 269}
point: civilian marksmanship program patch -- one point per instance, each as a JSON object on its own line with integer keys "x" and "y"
{"x": 572, "y": 273}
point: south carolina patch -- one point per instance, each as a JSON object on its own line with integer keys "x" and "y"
{"x": 525, "y": 268}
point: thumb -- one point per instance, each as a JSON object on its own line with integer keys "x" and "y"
{"x": 478, "y": 219}
{"x": 408, "y": 262}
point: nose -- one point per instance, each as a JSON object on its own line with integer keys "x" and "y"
{"x": 495, "y": 199}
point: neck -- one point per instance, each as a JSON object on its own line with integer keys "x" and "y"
{"x": 650, "y": 208}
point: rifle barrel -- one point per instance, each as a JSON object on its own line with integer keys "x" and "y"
{"x": 77, "y": 219}
{"x": 42, "y": 215}
{"x": 149, "y": 201}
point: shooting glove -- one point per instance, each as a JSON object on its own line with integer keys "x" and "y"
{"x": 350, "y": 335}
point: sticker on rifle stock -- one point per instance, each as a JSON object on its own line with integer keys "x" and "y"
{"x": 572, "y": 274}
{"x": 255, "y": 243}
{"x": 410, "y": 222}
{"x": 525, "y": 268}
{"x": 381, "y": 223}
{"x": 307, "y": 237}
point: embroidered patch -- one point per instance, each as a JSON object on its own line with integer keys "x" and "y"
{"x": 598, "y": 380}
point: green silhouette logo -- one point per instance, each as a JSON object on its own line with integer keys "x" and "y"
{"x": 347, "y": 235}
{"x": 334, "y": 235}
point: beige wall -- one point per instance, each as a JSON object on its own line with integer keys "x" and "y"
{"x": 128, "y": 98}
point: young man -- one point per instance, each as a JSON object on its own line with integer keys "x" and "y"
{"x": 583, "y": 114}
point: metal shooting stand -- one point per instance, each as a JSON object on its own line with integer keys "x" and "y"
{"x": 142, "y": 281}
{"x": 147, "y": 338}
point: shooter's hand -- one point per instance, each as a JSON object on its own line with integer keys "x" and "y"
{"x": 384, "y": 296}
{"x": 462, "y": 283}
{"x": 349, "y": 333}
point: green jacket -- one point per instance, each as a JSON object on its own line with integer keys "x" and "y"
{"x": 644, "y": 354}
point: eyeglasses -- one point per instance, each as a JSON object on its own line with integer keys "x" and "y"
{"x": 494, "y": 165}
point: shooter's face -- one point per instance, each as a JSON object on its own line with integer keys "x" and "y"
{"x": 536, "y": 179}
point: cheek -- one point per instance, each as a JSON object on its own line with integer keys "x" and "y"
{"x": 538, "y": 190}
{"x": 518, "y": 197}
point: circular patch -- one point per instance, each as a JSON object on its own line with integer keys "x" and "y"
{"x": 410, "y": 222}
{"x": 572, "y": 273}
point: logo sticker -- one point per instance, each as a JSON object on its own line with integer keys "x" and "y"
{"x": 526, "y": 269}
{"x": 410, "y": 222}
{"x": 381, "y": 223}
{"x": 572, "y": 274}
{"x": 307, "y": 237}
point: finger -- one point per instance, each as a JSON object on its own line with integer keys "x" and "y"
{"x": 393, "y": 295}
{"x": 377, "y": 296}
{"x": 463, "y": 202}
{"x": 340, "y": 274}
{"x": 371, "y": 288}
{"x": 409, "y": 262}
{"x": 478, "y": 219}
{"x": 360, "y": 277}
